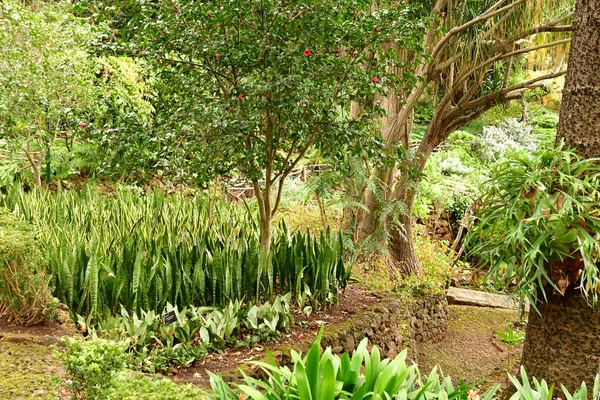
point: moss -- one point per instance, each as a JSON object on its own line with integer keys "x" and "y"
{"x": 27, "y": 368}
{"x": 470, "y": 351}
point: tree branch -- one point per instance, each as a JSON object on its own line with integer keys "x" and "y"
{"x": 458, "y": 29}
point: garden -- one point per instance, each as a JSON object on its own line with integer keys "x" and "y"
{"x": 299, "y": 200}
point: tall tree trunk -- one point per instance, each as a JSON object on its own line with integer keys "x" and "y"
{"x": 562, "y": 342}
{"x": 579, "y": 122}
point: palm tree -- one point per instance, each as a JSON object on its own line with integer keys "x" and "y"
{"x": 470, "y": 51}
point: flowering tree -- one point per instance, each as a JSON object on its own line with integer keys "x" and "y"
{"x": 255, "y": 86}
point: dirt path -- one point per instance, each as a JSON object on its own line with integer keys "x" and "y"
{"x": 471, "y": 350}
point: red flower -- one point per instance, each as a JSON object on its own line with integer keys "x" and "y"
{"x": 218, "y": 57}
{"x": 241, "y": 97}
{"x": 144, "y": 53}
{"x": 337, "y": 55}
{"x": 301, "y": 336}
{"x": 268, "y": 96}
{"x": 376, "y": 30}
{"x": 397, "y": 3}
{"x": 307, "y": 52}
{"x": 375, "y": 79}
{"x": 82, "y": 125}
{"x": 209, "y": 15}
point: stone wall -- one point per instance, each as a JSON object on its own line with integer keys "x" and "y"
{"x": 394, "y": 324}
{"x": 429, "y": 318}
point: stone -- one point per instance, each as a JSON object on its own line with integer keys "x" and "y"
{"x": 392, "y": 350}
{"x": 350, "y": 345}
{"x": 468, "y": 297}
{"x": 337, "y": 349}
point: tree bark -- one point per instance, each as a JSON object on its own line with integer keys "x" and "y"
{"x": 562, "y": 341}
{"x": 579, "y": 122}
{"x": 561, "y": 344}
{"x": 402, "y": 247}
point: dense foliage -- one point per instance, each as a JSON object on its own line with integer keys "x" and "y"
{"x": 539, "y": 224}
{"x": 365, "y": 375}
{"x": 143, "y": 252}
{"x": 254, "y": 85}
{"x": 54, "y": 89}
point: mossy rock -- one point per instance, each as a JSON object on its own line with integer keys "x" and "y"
{"x": 24, "y": 281}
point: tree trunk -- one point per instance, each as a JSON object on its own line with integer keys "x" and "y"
{"x": 402, "y": 248}
{"x": 35, "y": 164}
{"x": 579, "y": 122}
{"x": 266, "y": 225}
{"x": 562, "y": 341}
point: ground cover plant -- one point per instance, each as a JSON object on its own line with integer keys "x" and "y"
{"x": 142, "y": 252}
{"x": 156, "y": 345}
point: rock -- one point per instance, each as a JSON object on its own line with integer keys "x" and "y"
{"x": 482, "y": 299}
{"x": 337, "y": 349}
{"x": 392, "y": 350}
{"x": 350, "y": 345}
{"x": 62, "y": 317}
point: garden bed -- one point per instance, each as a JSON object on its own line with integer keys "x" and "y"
{"x": 354, "y": 301}
{"x": 391, "y": 323}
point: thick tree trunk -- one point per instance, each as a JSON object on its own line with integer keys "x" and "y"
{"x": 579, "y": 122}
{"x": 562, "y": 344}
{"x": 402, "y": 248}
{"x": 563, "y": 341}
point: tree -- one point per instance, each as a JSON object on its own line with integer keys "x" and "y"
{"x": 255, "y": 86}
{"x": 46, "y": 75}
{"x": 470, "y": 52}
{"x": 562, "y": 339}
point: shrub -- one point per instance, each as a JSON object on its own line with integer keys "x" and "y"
{"x": 93, "y": 364}
{"x": 144, "y": 251}
{"x": 323, "y": 375}
{"x": 132, "y": 386}
{"x": 541, "y": 391}
{"x": 24, "y": 293}
{"x": 510, "y": 135}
